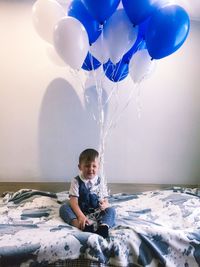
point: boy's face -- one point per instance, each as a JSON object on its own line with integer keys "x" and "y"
{"x": 89, "y": 169}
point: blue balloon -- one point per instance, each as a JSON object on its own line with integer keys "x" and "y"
{"x": 78, "y": 11}
{"x": 90, "y": 63}
{"x": 167, "y": 31}
{"x": 101, "y": 10}
{"x": 127, "y": 57}
{"x": 117, "y": 72}
{"x": 143, "y": 28}
{"x": 139, "y": 10}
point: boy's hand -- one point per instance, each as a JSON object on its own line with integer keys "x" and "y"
{"x": 83, "y": 220}
{"x": 103, "y": 204}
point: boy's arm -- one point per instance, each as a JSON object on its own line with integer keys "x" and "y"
{"x": 82, "y": 219}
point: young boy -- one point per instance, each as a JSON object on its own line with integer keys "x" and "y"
{"x": 86, "y": 197}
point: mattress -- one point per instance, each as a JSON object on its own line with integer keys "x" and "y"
{"x": 153, "y": 228}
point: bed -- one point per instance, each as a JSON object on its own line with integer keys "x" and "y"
{"x": 153, "y": 229}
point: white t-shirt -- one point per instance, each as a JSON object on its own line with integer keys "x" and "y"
{"x": 94, "y": 184}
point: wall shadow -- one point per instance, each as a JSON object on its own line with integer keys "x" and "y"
{"x": 65, "y": 129}
{"x": 91, "y": 103}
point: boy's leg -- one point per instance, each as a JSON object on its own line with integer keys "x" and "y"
{"x": 67, "y": 214}
{"x": 107, "y": 220}
{"x": 108, "y": 217}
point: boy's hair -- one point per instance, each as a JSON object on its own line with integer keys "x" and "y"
{"x": 88, "y": 155}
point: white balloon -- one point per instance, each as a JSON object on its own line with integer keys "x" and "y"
{"x": 45, "y": 14}
{"x": 64, "y": 3}
{"x": 71, "y": 41}
{"x": 141, "y": 66}
{"x": 119, "y": 35}
{"x": 99, "y": 50}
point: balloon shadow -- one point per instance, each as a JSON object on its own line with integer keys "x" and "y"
{"x": 92, "y": 103}
{"x": 66, "y": 128}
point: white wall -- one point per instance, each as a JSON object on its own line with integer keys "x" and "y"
{"x": 44, "y": 122}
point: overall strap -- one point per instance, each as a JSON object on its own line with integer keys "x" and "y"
{"x": 87, "y": 201}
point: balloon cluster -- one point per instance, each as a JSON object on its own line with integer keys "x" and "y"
{"x": 122, "y": 36}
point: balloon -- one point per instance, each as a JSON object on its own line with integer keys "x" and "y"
{"x": 117, "y": 72}
{"x": 119, "y": 35}
{"x": 167, "y": 31}
{"x": 101, "y": 9}
{"x": 99, "y": 50}
{"x": 64, "y": 3}
{"x": 143, "y": 28}
{"x": 79, "y": 11}
{"x": 139, "y": 10}
{"x": 90, "y": 63}
{"x": 45, "y": 15}
{"x": 71, "y": 41}
{"x": 141, "y": 66}
{"x": 140, "y": 41}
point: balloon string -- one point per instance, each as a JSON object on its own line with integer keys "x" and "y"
{"x": 105, "y": 129}
{"x": 116, "y": 108}
{"x": 101, "y": 122}
{"x": 116, "y": 118}
{"x": 113, "y": 90}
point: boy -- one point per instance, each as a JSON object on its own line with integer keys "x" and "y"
{"x": 86, "y": 197}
